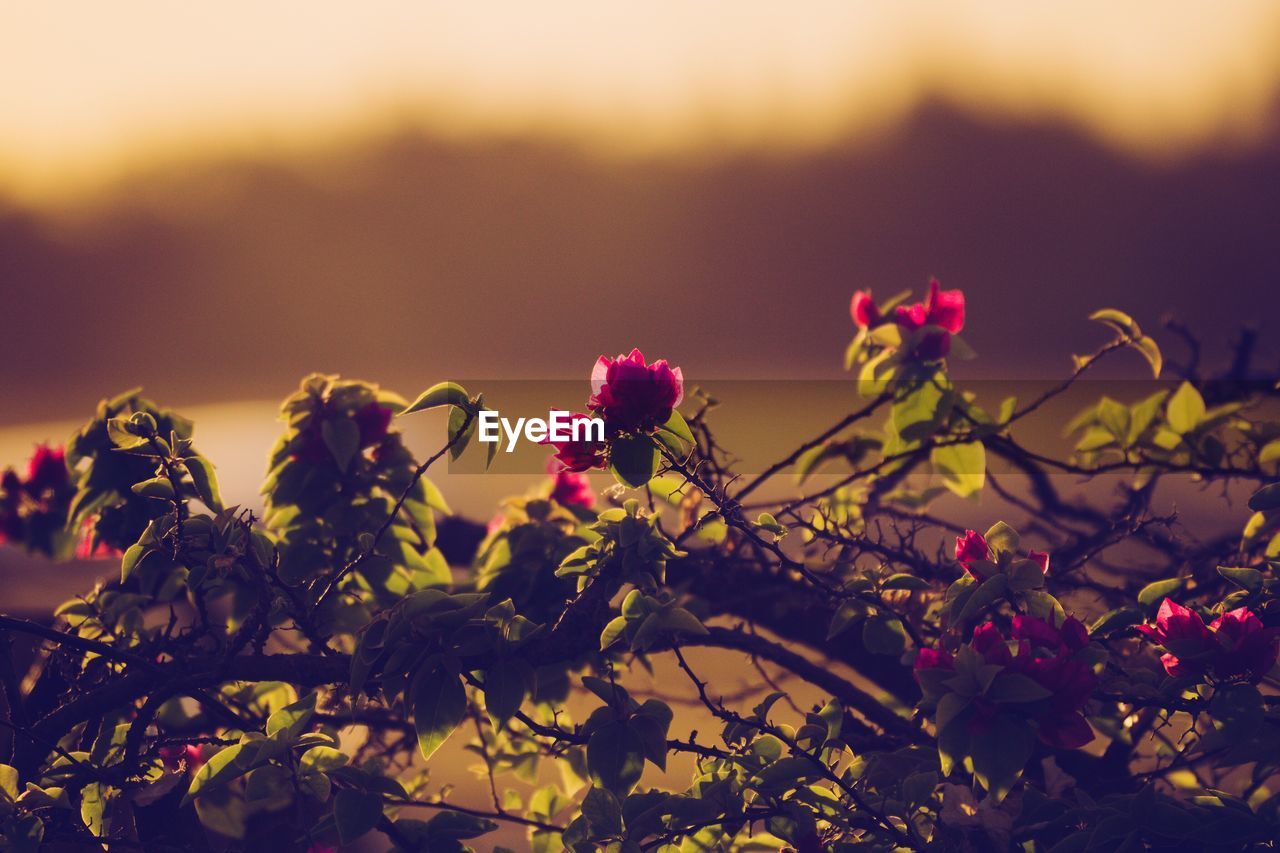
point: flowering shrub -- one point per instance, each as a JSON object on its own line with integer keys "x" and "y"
{"x": 312, "y": 676}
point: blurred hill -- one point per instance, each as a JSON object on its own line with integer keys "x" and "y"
{"x": 410, "y": 258}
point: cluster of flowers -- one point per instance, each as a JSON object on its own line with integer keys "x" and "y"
{"x": 1234, "y": 647}
{"x": 940, "y": 316}
{"x": 631, "y": 397}
{"x": 33, "y": 510}
{"x": 1046, "y": 655}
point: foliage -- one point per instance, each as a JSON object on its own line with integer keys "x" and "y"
{"x": 304, "y": 675}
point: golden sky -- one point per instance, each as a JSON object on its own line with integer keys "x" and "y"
{"x": 87, "y": 89}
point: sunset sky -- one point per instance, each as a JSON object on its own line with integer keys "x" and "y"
{"x": 88, "y": 89}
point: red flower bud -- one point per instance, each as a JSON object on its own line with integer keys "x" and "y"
{"x": 864, "y": 311}
{"x": 971, "y": 546}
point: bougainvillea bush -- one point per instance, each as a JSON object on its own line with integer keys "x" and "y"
{"x": 286, "y": 678}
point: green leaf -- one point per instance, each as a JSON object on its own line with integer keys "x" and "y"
{"x": 217, "y": 771}
{"x": 1157, "y": 591}
{"x": 94, "y": 799}
{"x": 884, "y": 634}
{"x": 123, "y": 434}
{"x": 132, "y": 557}
{"x": 1002, "y": 538}
{"x": 9, "y": 782}
{"x": 342, "y": 437}
{"x": 1000, "y": 753}
{"x": 1150, "y": 350}
{"x": 602, "y": 813}
{"x": 1185, "y": 409}
{"x": 1266, "y": 499}
{"x": 440, "y": 394}
{"x": 158, "y": 487}
{"x": 322, "y": 759}
{"x": 1117, "y": 320}
{"x": 461, "y": 427}
{"x": 439, "y": 706}
{"x": 291, "y": 719}
{"x": 355, "y": 813}
{"x": 633, "y": 460}
{"x": 506, "y": 684}
{"x": 1115, "y": 620}
{"x": 1270, "y": 452}
{"x": 677, "y": 426}
{"x": 615, "y": 757}
{"x": 1250, "y": 579}
{"x": 1015, "y": 687}
{"x": 206, "y": 483}
{"x": 963, "y": 467}
{"x": 849, "y": 612}
{"x": 902, "y": 580}
{"x": 989, "y": 592}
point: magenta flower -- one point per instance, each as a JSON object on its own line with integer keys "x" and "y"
{"x": 571, "y": 488}
{"x": 929, "y": 658}
{"x": 990, "y": 643}
{"x": 1040, "y": 557}
{"x": 582, "y": 455}
{"x": 1188, "y": 643}
{"x": 633, "y": 396}
{"x": 1246, "y": 650}
{"x": 943, "y": 311}
{"x": 971, "y": 546}
{"x": 47, "y": 471}
{"x": 374, "y": 420}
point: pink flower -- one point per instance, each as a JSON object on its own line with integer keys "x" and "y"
{"x": 571, "y": 488}
{"x": 47, "y": 471}
{"x": 581, "y": 455}
{"x": 1246, "y": 650}
{"x": 971, "y": 546}
{"x": 1041, "y": 557}
{"x": 864, "y": 311}
{"x": 943, "y": 310}
{"x": 1187, "y": 641}
{"x": 990, "y": 643}
{"x": 633, "y": 396}
{"x": 929, "y": 658}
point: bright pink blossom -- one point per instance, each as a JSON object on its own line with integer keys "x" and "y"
{"x": 971, "y": 546}
{"x": 1246, "y": 650}
{"x": 571, "y": 488}
{"x": 47, "y": 471}
{"x": 1188, "y": 642}
{"x": 581, "y": 455}
{"x": 931, "y": 658}
{"x": 864, "y": 311}
{"x": 633, "y": 396}
{"x": 942, "y": 311}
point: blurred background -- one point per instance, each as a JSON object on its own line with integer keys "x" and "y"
{"x": 213, "y": 200}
